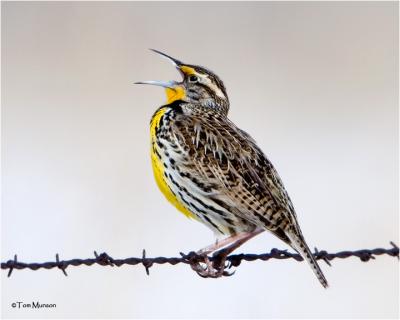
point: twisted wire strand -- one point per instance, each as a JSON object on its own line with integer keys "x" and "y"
{"x": 193, "y": 258}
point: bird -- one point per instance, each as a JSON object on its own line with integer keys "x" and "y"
{"x": 214, "y": 172}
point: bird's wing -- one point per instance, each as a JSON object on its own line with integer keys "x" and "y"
{"x": 244, "y": 179}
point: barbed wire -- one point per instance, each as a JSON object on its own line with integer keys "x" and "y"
{"x": 193, "y": 259}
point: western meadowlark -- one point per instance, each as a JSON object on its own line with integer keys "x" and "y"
{"x": 214, "y": 172}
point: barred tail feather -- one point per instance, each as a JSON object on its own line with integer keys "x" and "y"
{"x": 300, "y": 245}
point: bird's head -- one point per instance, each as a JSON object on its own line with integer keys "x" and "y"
{"x": 199, "y": 86}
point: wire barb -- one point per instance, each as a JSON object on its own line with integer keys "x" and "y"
{"x": 323, "y": 255}
{"x": 147, "y": 263}
{"x": 12, "y": 268}
{"x": 61, "y": 265}
{"x": 192, "y": 259}
{"x": 104, "y": 259}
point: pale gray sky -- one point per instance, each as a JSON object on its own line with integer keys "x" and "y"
{"x": 314, "y": 83}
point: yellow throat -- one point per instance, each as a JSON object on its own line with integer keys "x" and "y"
{"x": 173, "y": 94}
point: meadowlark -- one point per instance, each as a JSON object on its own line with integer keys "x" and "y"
{"x": 214, "y": 172}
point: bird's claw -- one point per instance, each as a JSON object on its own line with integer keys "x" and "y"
{"x": 212, "y": 269}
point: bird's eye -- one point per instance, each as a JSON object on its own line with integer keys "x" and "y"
{"x": 193, "y": 79}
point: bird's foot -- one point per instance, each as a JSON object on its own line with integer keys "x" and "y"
{"x": 214, "y": 268}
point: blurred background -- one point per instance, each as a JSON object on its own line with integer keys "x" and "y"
{"x": 314, "y": 83}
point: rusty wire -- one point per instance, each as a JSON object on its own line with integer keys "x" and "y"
{"x": 193, "y": 258}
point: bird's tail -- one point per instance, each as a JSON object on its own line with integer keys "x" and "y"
{"x": 300, "y": 245}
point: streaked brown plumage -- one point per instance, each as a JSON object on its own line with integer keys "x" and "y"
{"x": 214, "y": 172}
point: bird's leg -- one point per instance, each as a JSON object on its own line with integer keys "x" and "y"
{"x": 222, "y": 243}
{"x": 209, "y": 271}
{"x": 216, "y": 268}
{"x": 221, "y": 255}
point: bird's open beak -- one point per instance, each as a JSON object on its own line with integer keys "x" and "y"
{"x": 173, "y": 89}
{"x": 177, "y": 63}
{"x": 164, "y": 84}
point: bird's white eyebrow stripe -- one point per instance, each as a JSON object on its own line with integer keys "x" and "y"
{"x": 212, "y": 85}
{"x": 217, "y": 90}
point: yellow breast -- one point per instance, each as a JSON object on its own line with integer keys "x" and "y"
{"x": 159, "y": 169}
